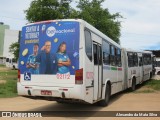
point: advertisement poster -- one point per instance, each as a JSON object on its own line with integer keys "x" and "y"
{"x": 50, "y": 48}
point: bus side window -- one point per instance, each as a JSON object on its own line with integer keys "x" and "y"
{"x": 7, "y": 60}
{"x": 119, "y": 58}
{"x": 140, "y": 61}
{"x": 106, "y": 50}
{"x": 144, "y": 59}
{"x": 88, "y": 44}
{"x": 10, "y": 60}
{"x": 135, "y": 59}
{"x": 130, "y": 59}
{"x": 115, "y": 56}
{"x": 100, "y": 55}
{"x": 112, "y": 55}
{"x": 149, "y": 59}
{"x": 95, "y": 49}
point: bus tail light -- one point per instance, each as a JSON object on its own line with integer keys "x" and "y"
{"x": 19, "y": 75}
{"x": 79, "y": 76}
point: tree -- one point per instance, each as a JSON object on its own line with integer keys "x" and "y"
{"x": 88, "y": 10}
{"x": 93, "y": 13}
{"x": 41, "y": 10}
{"x": 14, "y": 49}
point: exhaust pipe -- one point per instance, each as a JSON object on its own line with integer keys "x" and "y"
{"x": 29, "y": 92}
{"x": 63, "y": 95}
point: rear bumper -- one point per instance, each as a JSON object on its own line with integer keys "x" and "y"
{"x": 75, "y": 92}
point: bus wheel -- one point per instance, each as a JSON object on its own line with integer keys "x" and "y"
{"x": 14, "y": 67}
{"x": 133, "y": 87}
{"x": 60, "y": 101}
{"x": 107, "y": 96}
{"x": 151, "y": 75}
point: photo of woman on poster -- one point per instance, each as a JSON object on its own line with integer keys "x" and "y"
{"x": 63, "y": 60}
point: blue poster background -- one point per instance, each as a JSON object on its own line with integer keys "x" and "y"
{"x": 65, "y": 31}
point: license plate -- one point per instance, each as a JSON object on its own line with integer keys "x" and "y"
{"x": 46, "y": 92}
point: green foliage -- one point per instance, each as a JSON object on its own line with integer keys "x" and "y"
{"x": 1, "y": 65}
{"x": 8, "y": 88}
{"x": 41, "y": 10}
{"x": 93, "y": 13}
{"x": 154, "y": 84}
{"x": 14, "y": 49}
{"x": 88, "y": 10}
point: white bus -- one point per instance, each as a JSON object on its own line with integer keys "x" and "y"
{"x": 138, "y": 67}
{"x": 11, "y": 63}
{"x": 71, "y": 60}
{"x": 157, "y": 66}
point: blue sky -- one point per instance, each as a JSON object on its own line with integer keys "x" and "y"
{"x": 140, "y": 26}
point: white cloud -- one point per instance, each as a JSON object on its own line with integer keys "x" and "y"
{"x": 141, "y": 26}
{"x": 12, "y": 12}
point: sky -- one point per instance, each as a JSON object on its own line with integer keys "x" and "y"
{"x": 140, "y": 28}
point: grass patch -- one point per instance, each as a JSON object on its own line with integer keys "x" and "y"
{"x": 8, "y": 89}
{"x": 153, "y": 84}
{"x": 149, "y": 87}
{"x": 8, "y": 72}
{"x": 145, "y": 91}
{"x": 1, "y": 65}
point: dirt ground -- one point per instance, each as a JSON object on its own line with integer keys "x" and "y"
{"x": 156, "y": 77}
{"x": 120, "y": 102}
{"x": 124, "y": 101}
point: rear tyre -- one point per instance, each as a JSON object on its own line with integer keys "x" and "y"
{"x": 59, "y": 101}
{"x": 150, "y": 75}
{"x": 133, "y": 87}
{"x": 14, "y": 67}
{"x": 107, "y": 97}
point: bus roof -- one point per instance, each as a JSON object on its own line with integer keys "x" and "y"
{"x": 138, "y": 51}
{"x": 93, "y": 29}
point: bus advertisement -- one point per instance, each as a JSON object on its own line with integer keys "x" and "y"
{"x": 44, "y": 48}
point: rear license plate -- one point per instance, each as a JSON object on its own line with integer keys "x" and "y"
{"x": 46, "y": 92}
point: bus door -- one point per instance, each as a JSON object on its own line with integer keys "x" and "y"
{"x": 97, "y": 52}
{"x": 140, "y": 61}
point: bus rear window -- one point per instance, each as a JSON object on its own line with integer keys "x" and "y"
{"x": 46, "y": 46}
{"x": 88, "y": 44}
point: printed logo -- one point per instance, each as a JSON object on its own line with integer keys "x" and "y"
{"x": 27, "y": 76}
{"x": 51, "y": 31}
{"x": 43, "y": 28}
{"x": 6, "y": 114}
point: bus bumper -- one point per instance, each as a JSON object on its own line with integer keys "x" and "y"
{"x": 57, "y": 92}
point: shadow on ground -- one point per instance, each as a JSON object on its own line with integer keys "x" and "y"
{"x": 61, "y": 109}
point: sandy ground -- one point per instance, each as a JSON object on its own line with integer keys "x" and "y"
{"x": 2, "y": 81}
{"x": 125, "y": 101}
{"x": 120, "y": 102}
{"x": 156, "y": 77}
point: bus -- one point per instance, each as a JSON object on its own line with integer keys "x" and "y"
{"x": 157, "y": 66}
{"x": 11, "y": 63}
{"x": 138, "y": 67}
{"x": 70, "y": 60}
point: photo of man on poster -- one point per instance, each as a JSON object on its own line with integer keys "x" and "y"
{"x": 47, "y": 60}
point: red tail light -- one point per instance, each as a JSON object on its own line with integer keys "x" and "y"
{"x": 79, "y": 76}
{"x": 19, "y": 75}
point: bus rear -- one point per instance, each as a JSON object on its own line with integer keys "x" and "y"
{"x": 49, "y": 64}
